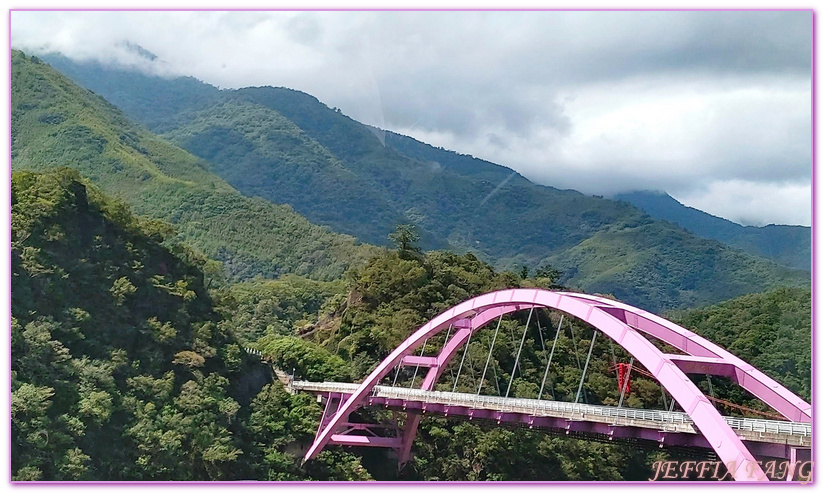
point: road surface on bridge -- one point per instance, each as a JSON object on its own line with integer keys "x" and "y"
{"x": 750, "y": 429}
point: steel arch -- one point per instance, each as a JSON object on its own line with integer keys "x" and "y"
{"x": 625, "y": 325}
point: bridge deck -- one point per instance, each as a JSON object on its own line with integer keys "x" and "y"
{"x": 751, "y": 430}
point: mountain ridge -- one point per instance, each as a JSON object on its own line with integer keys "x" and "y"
{"x": 789, "y": 245}
{"x": 56, "y": 123}
{"x": 454, "y": 200}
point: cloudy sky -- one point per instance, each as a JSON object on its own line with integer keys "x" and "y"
{"x": 712, "y": 107}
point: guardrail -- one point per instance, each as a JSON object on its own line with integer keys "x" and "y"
{"x": 557, "y": 408}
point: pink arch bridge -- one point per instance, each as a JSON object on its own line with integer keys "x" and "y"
{"x": 625, "y": 325}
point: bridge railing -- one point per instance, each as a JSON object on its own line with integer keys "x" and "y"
{"x": 530, "y": 406}
{"x": 548, "y": 407}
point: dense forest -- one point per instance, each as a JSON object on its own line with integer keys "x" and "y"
{"x": 787, "y": 245}
{"x": 123, "y": 365}
{"x": 151, "y": 301}
{"x": 127, "y": 366}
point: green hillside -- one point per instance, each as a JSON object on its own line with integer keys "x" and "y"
{"x": 657, "y": 264}
{"x": 102, "y": 319}
{"x": 56, "y": 123}
{"x": 252, "y": 147}
{"x": 122, "y": 365}
{"x": 787, "y": 245}
{"x": 282, "y": 144}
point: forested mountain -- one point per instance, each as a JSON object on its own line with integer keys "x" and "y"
{"x": 787, "y": 245}
{"x": 123, "y": 367}
{"x": 56, "y": 123}
{"x": 284, "y": 145}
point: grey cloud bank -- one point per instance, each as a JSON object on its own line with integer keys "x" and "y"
{"x": 713, "y": 107}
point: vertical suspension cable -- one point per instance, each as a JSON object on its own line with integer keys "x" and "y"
{"x": 511, "y": 333}
{"x": 517, "y": 358}
{"x": 496, "y": 379}
{"x": 551, "y": 355}
{"x": 540, "y": 333}
{"x": 491, "y": 347}
{"x": 711, "y": 390}
{"x": 574, "y": 345}
{"x": 583, "y": 376}
{"x": 471, "y": 368}
{"x": 625, "y": 383}
{"x": 416, "y": 367}
{"x": 459, "y": 369}
{"x": 611, "y": 348}
{"x": 396, "y": 373}
{"x": 663, "y": 393}
{"x": 448, "y": 333}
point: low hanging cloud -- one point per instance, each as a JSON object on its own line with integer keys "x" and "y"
{"x": 694, "y": 103}
{"x": 754, "y": 203}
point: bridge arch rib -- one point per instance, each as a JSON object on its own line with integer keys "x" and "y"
{"x": 625, "y": 325}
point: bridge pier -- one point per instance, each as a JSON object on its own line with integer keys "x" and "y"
{"x": 798, "y": 457}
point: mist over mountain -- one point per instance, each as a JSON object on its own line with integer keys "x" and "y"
{"x": 283, "y": 145}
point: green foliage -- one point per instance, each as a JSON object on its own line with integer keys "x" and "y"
{"x": 101, "y": 313}
{"x": 308, "y": 360}
{"x": 283, "y": 306}
{"x": 249, "y": 236}
{"x": 281, "y": 423}
{"x": 454, "y": 451}
{"x": 121, "y": 288}
{"x": 771, "y": 330}
{"x": 405, "y": 238}
{"x": 392, "y": 295}
{"x": 334, "y": 465}
{"x": 786, "y": 245}
{"x": 121, "y": 362}
{"x": 189, "y": 359}
{"x": 188, "y": 437}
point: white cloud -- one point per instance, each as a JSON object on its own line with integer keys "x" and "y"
{"x": 597, "y": 101}
{"x": 756, "y": 204}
